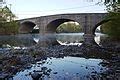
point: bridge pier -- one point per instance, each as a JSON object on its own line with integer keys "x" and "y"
{"x": 47, "y": 40}
{"x": 89, "y": 39}
{"x": 89, "y": 42}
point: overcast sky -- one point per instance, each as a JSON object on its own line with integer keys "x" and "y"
{"x": 34, "y": 8}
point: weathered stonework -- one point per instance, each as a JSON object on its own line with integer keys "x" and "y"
{"x": 48, "y": 24}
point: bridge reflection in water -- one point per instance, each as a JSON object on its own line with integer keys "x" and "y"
{"x": 60, "y": 68}
{"x": 27, "y": 40}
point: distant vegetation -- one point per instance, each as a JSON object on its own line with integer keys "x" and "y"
{"x": 7, "y": 23}
{"x": 69, "y": 27}
{"x": 112, "y": 28}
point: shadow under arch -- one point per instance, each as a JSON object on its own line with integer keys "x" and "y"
{"x": 26, "y": 27}
{"x": 52, "y": 26}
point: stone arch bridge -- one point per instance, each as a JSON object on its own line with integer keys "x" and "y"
{"x": 48, "y": 24}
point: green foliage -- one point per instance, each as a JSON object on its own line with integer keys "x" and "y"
{"x": 111, "y": 5}
{"x": 7, "y": 23}
{"x": 7, "y": 14}
{"x": 9, "y": 28}
{"x": 12, "y": 27}
{"x": 69, "y": 27}
{"x": 112, "y": 28}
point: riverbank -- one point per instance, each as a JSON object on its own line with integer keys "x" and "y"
{"x": 15, "y": 60}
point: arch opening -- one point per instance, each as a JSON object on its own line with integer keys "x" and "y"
{"x": 100, "y": 36}
{"x": 99, "y": 24}
{"x": 28, "y": 27}
{"x": 68, "y": 32}
{"x": 52, "y": 26}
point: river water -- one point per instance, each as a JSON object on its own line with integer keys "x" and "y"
{"x": 65, "y": 68}
{"x": 26, "y": 40}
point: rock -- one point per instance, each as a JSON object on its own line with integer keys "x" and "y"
{"x": 117, "y": 71}
{"x": 44, "y": 68}
{"x": 3, "y": 76}
{"x": 54, "y": 72}
{"x": 36, "y": 76}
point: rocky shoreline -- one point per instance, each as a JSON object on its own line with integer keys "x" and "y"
{"x": 13, "y": 61}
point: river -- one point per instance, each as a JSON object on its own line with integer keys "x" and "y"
{"x": 26, "y": 40}
{"x": 62, "y": 68}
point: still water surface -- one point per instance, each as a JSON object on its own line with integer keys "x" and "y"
{"x": 26, "y": 40}
{"x": 67, "y": 68}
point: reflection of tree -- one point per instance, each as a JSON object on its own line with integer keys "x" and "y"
{"x": 107, "y": 42}
{"x": 69, "y": 38}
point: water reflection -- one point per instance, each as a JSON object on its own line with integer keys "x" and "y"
{"x": 70, "y": 38}
{"x": 99, "y": 37}
{"x": 17, "y": 40}
{"x": 77, "y": 38}
{"x": 61, "y": 69}
{"x": 67, "y": 68}
{"x": 26, "y": 40}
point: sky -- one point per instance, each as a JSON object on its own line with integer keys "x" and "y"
{"x": 36, "y": 8}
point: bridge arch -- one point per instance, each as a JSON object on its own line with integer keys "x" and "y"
{"x": 53, "y": 25}
{"x": 26, "y": 27}
{"x": 100, "y": 23}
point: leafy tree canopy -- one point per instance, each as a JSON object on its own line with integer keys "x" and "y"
{"x": 111, "y": 5}
{"x": 69, "y": 27}
{"x": 7, "y": 23}
{"x": 6, "y": 13}
{"x": 112, "y": 28}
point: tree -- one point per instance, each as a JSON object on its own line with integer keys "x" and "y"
{"x": 7, "y": 23}
{"x": 7, "y": 14}
{"x": 111, "y": 5}
{"x": 112, "y": 28}
{"x": 69, "y": 27}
